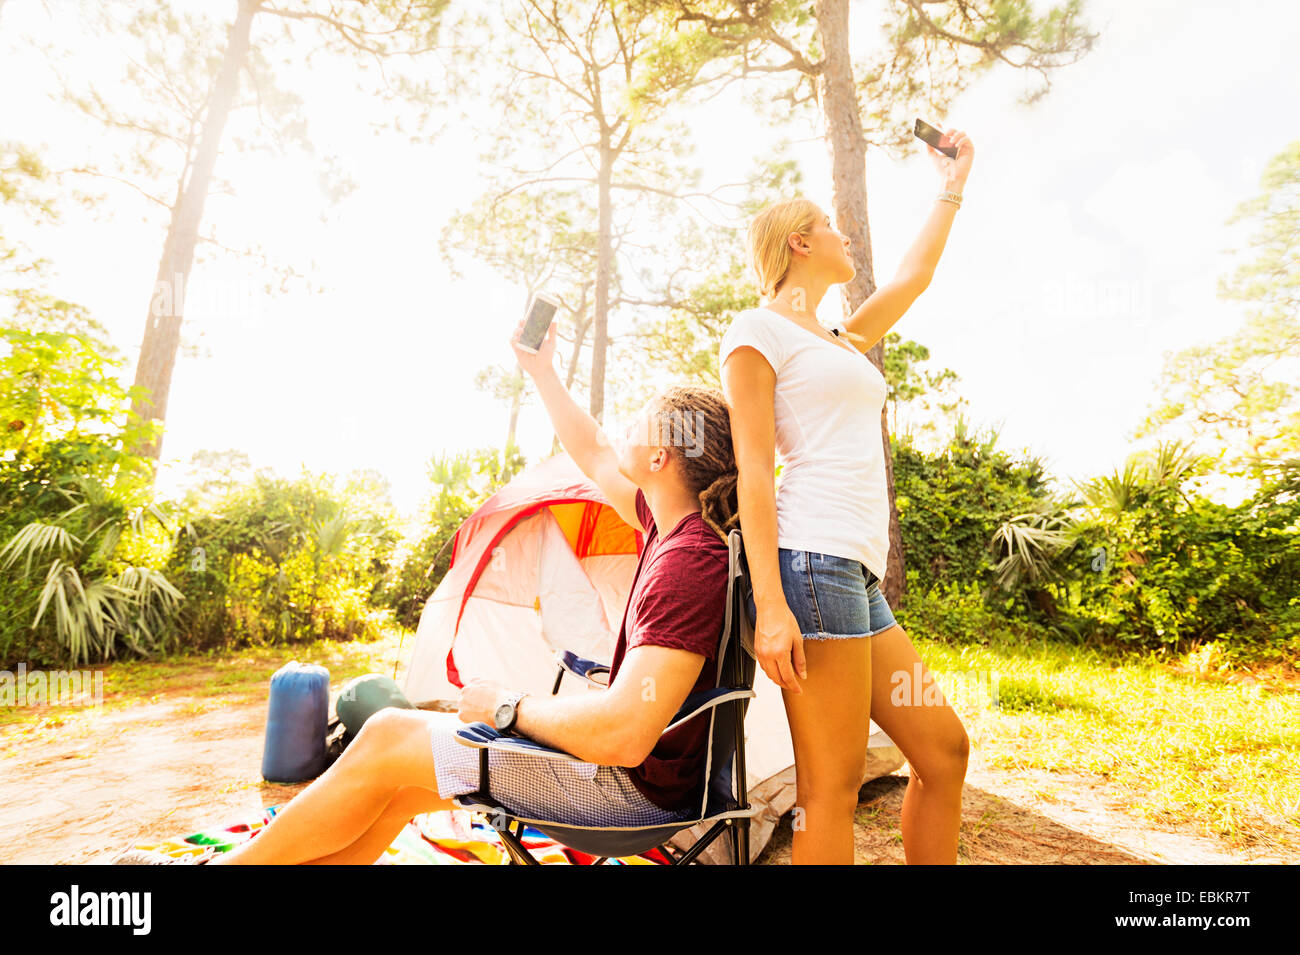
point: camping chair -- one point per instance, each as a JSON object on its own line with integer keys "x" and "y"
{"x": 723, "y": 797}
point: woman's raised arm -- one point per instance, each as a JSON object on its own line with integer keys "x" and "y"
{"x": 887, "y": 304}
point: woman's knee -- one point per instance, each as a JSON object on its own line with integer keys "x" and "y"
{"x": 839, "y": 800}
{"x": 963, "y": 746}
{"x": 834, "y": 785}
{"x": 958, "y": 754}
{"x": 946, "y": 759}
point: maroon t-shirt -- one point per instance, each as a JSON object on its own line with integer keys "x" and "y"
{"x": 678, "y": 599}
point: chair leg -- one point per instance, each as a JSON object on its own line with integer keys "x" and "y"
{"x": 740, "y": 842}
{"x": 513, "y": 844}
{"x": 702, "y": 843}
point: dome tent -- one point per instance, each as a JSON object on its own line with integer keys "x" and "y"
{"x": 546, "y": 564}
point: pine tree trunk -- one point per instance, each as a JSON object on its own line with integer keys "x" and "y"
{"x": 162, "y": 331}
{"x": 571, "y": 372}
{"x": 515, "y": 402}
{"x": 604, "y": 262}
{"x": 848, "y": 154}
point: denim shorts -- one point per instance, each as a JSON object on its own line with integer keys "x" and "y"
{"x": 833, "y": 598}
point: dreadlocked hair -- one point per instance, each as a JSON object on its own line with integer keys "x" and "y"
{"x": 695, "y": 426}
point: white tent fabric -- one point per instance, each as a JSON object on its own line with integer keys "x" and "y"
{"x": 535, "y": 597}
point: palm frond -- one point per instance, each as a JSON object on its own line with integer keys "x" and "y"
{"x": 104, "y": 611}
{"x": 1114, "y": 493}
{"x": 332, "y": 535}
{"x": 1028, "y": 543}
{"x": 71, "y": 512}
{"x": 108, "y": 543}
{"x": 140, "y": 514}
{"x": 152, "y": 600}
{"x": 1171, "y": 462}
{"x": 69, "y": 618}
{"x": 34, "y": 540}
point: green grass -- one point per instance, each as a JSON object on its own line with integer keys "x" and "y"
{"x": 1187, "y": 748}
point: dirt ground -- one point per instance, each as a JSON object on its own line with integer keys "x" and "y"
{"x": 80, "y": 788}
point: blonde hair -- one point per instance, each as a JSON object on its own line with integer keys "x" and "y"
{"x": 769, "y": 247}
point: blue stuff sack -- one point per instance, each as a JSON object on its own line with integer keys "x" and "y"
{"x": 295, "y": 723}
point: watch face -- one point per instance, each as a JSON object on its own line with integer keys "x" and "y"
{"x": 504, "y": 714}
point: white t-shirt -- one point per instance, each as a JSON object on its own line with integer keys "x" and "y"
{"x": 832, "y": 497}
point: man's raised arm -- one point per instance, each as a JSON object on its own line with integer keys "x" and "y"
{"x": 576, "y": 428}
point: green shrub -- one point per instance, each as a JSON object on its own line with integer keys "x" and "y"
{"x": 951, "y": 504}
{"x": 81, "y": 537}
{"x": 1179, "y": 570}
{"x": 277, "y": 561}
{"x": 459, "y": 484}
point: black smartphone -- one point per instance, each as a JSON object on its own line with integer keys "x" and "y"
{"x": 540, "y": 313}
{"x": 928, "y": 134}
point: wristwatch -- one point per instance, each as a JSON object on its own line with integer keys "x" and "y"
{"x": 506, "y": 714}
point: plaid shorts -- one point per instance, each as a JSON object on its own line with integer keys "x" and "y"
{"x": 563, "y": 791}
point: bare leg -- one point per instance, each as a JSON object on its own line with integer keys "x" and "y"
{"x": 409, "y": 802}
{"x": 829, "y": 726}
{"x": 393, "y": 750}
{"x": 935, "y": 744}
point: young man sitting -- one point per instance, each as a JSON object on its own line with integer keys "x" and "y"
{"x": 674, "y": 476}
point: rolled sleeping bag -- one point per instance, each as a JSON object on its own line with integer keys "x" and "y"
{"x": 296, "y": 723}
{"x": 364, "y": 696}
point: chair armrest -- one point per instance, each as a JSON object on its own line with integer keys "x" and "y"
{"x": 483, "y": 736}
{"x": 570, "y": 662}
{"x": 697, "y": 703}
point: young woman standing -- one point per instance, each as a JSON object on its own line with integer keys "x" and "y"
{"x": 823, "y": 630}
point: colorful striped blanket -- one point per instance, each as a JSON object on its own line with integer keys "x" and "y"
{"x": 449, "y": 837}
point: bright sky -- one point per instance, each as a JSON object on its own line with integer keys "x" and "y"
{"x": 1089, "y": 244}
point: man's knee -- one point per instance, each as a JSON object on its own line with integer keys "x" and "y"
{"x": 411, "y": 801}
{"x": 395, "y": 747}
{"x": 388, "y": 728}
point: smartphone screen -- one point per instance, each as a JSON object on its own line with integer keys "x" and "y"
{"x": 540, "y": 313}
{"x": 928, "y": 134}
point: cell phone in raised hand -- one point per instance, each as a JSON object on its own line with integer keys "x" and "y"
{"x": 541, "y": 311}
{"x": 928, "y": 134}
